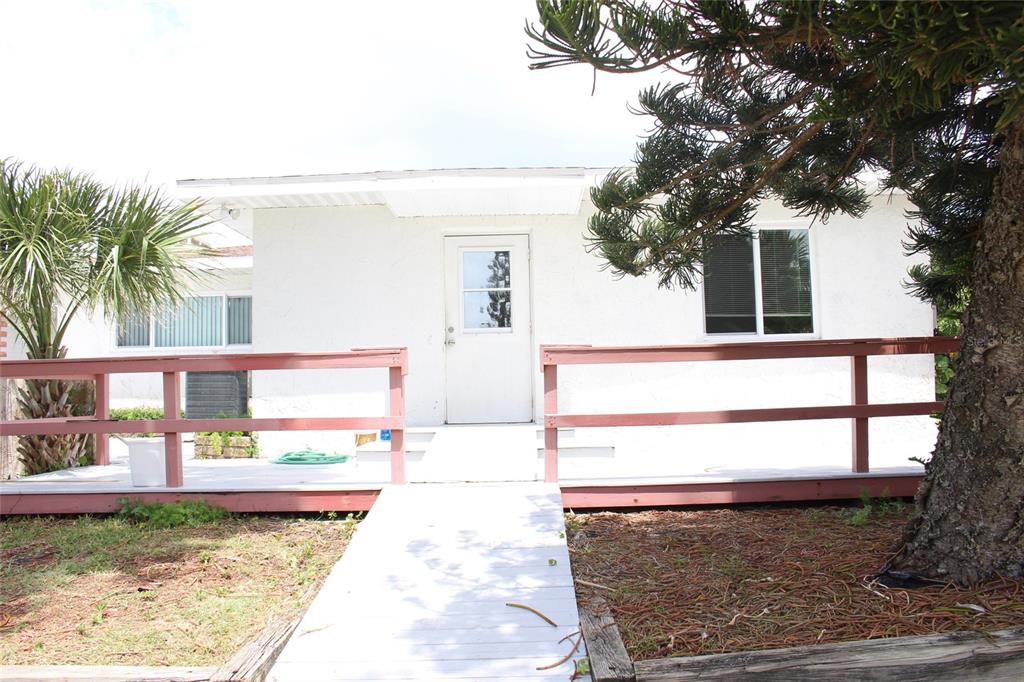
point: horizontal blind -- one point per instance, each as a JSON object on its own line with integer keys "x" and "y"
{"x": 729, "y": 300}
{"x": 239, "y": 320}
{"x": 196, "y": 321}
{"x": 786, "y": 281}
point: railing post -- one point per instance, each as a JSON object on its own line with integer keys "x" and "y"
{"x": 550, "y": 432}
{"x": 396, "y": 381}
{"x": 172, "y": 439}
{"x": 102, "y": 412}
{"x": 859, "y": 396}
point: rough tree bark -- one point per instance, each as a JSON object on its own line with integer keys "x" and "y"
{"x": 48, "y": 398}
{"x": 970, "y": 521}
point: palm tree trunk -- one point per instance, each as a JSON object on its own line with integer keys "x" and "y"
{"x": 970, "y": 521}
{"x": 49, "y": 398}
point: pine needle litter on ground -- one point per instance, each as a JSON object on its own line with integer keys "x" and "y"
{"x": 721, "y": 580}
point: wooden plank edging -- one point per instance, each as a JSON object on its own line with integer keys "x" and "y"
{"x": 103, "y": 673}
{"x": 609, "y": 660}
{"x": 252, "y": 663}
{"x": 994, "y": 657}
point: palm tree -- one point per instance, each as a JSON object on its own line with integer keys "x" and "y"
{"x": 68, "y": 243}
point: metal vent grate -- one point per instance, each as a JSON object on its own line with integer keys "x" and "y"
{"x": 214, "y": 394}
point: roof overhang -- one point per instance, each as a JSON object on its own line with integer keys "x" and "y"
{"x": 410, "y": 194}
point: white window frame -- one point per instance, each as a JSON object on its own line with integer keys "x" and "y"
{"x": 759, "y": 335}
{"x": 158, "y": 350}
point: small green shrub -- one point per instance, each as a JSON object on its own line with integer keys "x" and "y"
{"x": 136, "y": 412}
{"x": 218, "y": 439}
{"x": 188, "y": 513}
{"x": 872, "y": 508}
{"x": 139, "y": 412}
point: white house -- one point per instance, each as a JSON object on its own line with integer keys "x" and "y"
{"x": 473, "y": 270}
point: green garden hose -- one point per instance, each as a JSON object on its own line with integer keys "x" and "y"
{"x": 309, "y": 457}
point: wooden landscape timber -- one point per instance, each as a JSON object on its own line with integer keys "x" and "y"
{"x": 252, "y": 663}
{"x": 609, "y": 660}
{"x": 102, "y": 673}
{"x": 994, "y": 657}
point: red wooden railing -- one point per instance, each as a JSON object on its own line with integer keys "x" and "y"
{"x": 171, "y": 367}
{"x": 859, "y": 411}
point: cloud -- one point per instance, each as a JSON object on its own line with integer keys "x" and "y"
{"x": 202, "y": 88}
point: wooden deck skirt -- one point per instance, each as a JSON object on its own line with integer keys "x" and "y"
{"x": 596, "y": 495}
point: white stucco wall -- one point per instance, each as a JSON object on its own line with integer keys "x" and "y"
{"x": 333, "y": 278}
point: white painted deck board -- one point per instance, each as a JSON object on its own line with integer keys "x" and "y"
{"x": 421, "y": 591}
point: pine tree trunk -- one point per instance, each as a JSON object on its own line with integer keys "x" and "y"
{"x": 970, "y": 522}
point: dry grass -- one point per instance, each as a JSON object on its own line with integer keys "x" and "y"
{"x": 104, "y": 591}
{"x": 715, "y": 581}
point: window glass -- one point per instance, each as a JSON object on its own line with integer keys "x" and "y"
{"x": 133, "y": 331}
{"x": 486, "y": 270}
{"x": 487, "y": 309}
{"x": 196, "y": 321}
{"x": 785, "y": 282}
{"x": 239, "y": 320}
{"x": 486, "y": 290}
{"x": 729, "y": 303}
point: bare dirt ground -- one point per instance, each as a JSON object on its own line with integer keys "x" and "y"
{"x": 714, "y": 581}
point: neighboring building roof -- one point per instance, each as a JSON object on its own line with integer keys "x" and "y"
{"x": 233, "y": 251}
{"x": 411, "y": 193}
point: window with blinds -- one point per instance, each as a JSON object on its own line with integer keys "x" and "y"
{"x": 133, "y": 331}
{"x": 239, "y": 320}
{"x": 198, "y": 321}
{"x": 729, "y": 300}
{"x": 785, "y": 282}
{"x": 758, "y": 285}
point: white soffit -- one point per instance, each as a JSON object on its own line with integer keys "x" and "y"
{"x": 409, "y": 194}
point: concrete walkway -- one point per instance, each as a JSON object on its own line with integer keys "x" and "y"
{"x": 421, "y": 591}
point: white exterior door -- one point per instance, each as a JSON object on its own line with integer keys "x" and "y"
{"x": 487, "y": 330}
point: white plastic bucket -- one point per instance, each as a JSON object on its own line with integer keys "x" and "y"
{"x": 146, "y": 462}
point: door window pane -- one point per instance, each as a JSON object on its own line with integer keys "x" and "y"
{"x": 239, "y": 320}
{"x": 196, "y": 321}
{"x": 786, "y": 282}
{"x": 486, "y": 270}
{"x": 729, "y": 303}
{"x": 487, "y": 309}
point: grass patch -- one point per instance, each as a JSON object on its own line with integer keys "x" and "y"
{"x": 125, "y": 590}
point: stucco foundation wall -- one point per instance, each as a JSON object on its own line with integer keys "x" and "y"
{"x": 334, "y": 278}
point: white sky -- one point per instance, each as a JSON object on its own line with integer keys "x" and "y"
{"x": 164, "y": 90}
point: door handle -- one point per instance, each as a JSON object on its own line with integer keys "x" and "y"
{"x": 449, "y": 340}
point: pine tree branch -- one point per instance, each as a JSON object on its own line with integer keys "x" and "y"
{"x": 703, "y": 168}
{"x": 781, "y": 161}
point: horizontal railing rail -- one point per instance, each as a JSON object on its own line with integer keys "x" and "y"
{"x": 858, "y": 410}
{"x": 394, "y": 359}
